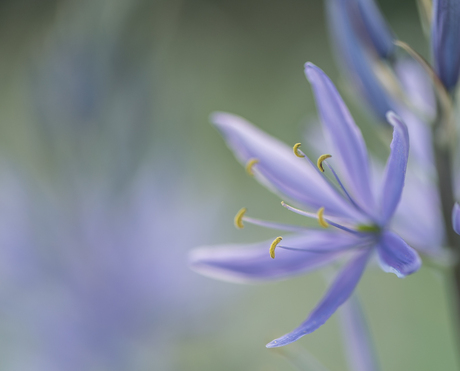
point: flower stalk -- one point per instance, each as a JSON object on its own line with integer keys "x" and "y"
{"x": 443, "y": 153}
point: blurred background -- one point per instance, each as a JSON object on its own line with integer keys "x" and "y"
{"x": 110, "y": 174}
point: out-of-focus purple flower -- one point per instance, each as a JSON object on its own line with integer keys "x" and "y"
{"x": 396, "y": 85}
{"x": 375, "y": 26}
{"x": 417, "y": 87}
{"x": 355, "y": 217}
{"x": 456, "y": 218}
{"x": 353, "y": 55}
{"x": 97, "y": 280}
{"x": 445, "y": 35}
{"x": 94, "y": 275}
{"x": 418, "y": 218}
{"x": 365, "y": 24}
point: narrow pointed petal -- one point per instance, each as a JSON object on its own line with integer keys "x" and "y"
{"x": 338, "y": 293}
{"x": 355, "y": 60}
{"x": 358, "y": 342}
{"x": 278, "y": 168}
{"x": 376, "y": 27}
{"x": 252, "y": 262}
{"x": 396, "y": 256}
{"x": 347, "y": 141}
{"x": 456, "y": 218}
{"x": 445, "y": 35}
{"x": 395, "y": 171}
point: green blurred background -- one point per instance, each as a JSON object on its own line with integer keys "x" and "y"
{"x": 179, "y": 61}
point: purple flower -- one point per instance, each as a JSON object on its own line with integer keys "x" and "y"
{"x": 456, "y": 218}
{"x": 84, "y": 284}
{"x": 445, "y": 34}
{"x": 367, "y": 15}
{"x": 400, "y": 85}
{"x": 355, "y": 56}
{"x": 355, "y": 214}
{"x": 417, "y": 87}
{"x": 366, "y": 25}
{"x": 380, "y": 83}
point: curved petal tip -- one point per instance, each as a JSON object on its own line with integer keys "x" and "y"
{"x": 392, "y": 117}
{"x": 395, "y": 120}
{"x": 396, "y": 256}
{"x": 309, "y": 65}
{"x": 310, "y": 69}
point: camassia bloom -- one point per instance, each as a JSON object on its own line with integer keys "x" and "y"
{"x": 354, "y": 217}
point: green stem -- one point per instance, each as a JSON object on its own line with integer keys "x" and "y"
{"x": 446, "y": 194}
{"x": 443, "y": 159}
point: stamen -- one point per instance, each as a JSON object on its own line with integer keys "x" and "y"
{"x": 342, "y": 187}
{"x": 316, "y": 216}
{"x": 320, "y": 161}
{"x": 327, "y": 250}
{"x": 273, "y": 246}
{"x": 297, "y": 151}
{"x": 298, "y": 211}
{"x": 321, "y": 220}
{"x": 274, "y": 225}
{"x": 250, "y": 164}
{"x": 320, "y": 167}
{"x": 238, "y": 220}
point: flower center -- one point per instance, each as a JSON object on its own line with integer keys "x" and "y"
{"x": 366, "y": 231}
{"x": 368, "y": 228}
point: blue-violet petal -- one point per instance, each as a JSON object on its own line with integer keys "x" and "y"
{"x": 338, "y": 293}
{"x": 354, "y": 58}
{"x": 376, "y": 27}
{"x": 445, "y": 36}
{"x": 396, "y": 256}
{"x": 278, "y": 168}
{"x": 252, "y": 262}
{"x": 395, "y": 171}
{"x": 349, "y": 149}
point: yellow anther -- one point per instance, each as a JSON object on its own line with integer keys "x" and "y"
{"x": 238, "y": 221}
{"x": 250, "y": 165}
{"x": 321, "y": 220}
{"x": 273, "y": 246}
{"x": 296, "y": 150}
{"x": 320, "y": 161}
